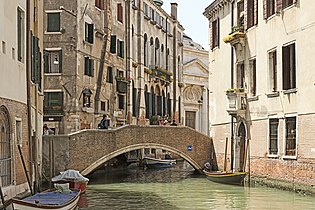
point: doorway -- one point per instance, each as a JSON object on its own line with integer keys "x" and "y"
{"x": 240, "y": 148}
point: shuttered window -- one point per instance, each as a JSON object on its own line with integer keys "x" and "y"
{"x": 250, "y": 13}
{"x": 53, "y": 22}
{"x": 288, "y": 67}
{"x": 89, "y": 33}
{"x": 215, "y": 33}
{"x": 290, "y": 143}
{"x": 109, "y": 77}
{"x": 53, "y": 99}
{"x": 120, "y": 48}
{"x": 99, "y": 4}
{"x": 120, "y": 14}
{"x": 273, "y": 136}
{"x": 113, "y": 43}
{"x": 287, "y": 3}
{"x": 36, "y": 62}
{"x": 88, "y": 67}
{"x": 121, "y": 101}
{"x": 53, "y": 61}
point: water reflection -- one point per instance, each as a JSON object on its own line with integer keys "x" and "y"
{"x": 179, "y": 188}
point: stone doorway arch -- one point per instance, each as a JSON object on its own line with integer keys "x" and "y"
{"x": 240, "y": 142}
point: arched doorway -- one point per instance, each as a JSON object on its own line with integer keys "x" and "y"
{"x": 5, "y": 148}
{"x": 240, "y": 142}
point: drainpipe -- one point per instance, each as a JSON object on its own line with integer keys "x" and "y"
{"x": 232, "y": 86}
{"x": 28, "y": 93}
{"x": 127, "y": 47}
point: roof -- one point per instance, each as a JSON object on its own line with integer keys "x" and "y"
{"x": 189, "y": 43}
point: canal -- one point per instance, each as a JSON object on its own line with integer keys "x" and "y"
{"x": 180, "y": 188}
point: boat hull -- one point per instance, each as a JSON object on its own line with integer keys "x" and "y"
{"x": 236, "y": 178}
{"x": 35, "y": 203}
{"x": 159, "y": 163}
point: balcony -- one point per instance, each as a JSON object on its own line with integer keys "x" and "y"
{"x": 237, "y": 102}
{"x": 121, "y": 84}
{"x": 53, "y": 110}
{"x": 161, "y": 73}
{"x": 237, "y": 36}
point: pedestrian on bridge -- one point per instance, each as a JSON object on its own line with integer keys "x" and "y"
{"x": 104, "y": 124}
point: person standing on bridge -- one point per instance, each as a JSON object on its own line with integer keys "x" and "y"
{"x": 104, "y": 124}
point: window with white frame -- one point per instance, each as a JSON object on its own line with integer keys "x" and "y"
{"x": 88, "y": 66}
{"x": 290, "y": 137}
{"x": 287, "y": 3}
{"x": 288, "y": 67}
{"x": 271, "y": 4}
{"x": 253, "y": 79}
{"x": 18, "y": 131}
{"x": 52, "y": 61}
{"x": 272, "y": 60}
{"x": 89, "y": 33}
{"x": 215, "y": 33}
{"x": 273, "y": 136}
{"x": 20, "y": 34}
{"x": 53, "y": 22}
{"x": 99, "y": 4}
{"x": 120, "y": 13}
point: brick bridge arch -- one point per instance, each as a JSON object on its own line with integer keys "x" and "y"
{"x": 87, "y": 149}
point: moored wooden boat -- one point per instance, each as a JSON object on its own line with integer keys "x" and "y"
{"x": 74, "y": 178}
{"x": 48, "y": 200}
{"x": 236, "y": 178}
{"x": 158, "y": 163}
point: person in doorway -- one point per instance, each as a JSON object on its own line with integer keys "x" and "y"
{"x": 47, "y": 131}
{"x": 104, "y": 124}
{"x": 174, "y": 123}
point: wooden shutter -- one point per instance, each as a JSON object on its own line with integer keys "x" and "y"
{"x": 122, "y": 49}
{"x": 292, "y": 66}
{"x": 91, "y": 67}
{"x": 113, "y": 43}
{"x": 210, "y": 34}
{"x": 46, "y": 61}
{"x": 86, "y": 65}
{"x": 279, "y": 6}
{"x": 90, "y": 33}
{"x": 120, "y": 12}
{"x": 218, "y": 32}
{"x": 60, "y": 61}
{"x": 255, "y": 12}
{"x": 285, "y": 67}
{"x": 265, "y": 8}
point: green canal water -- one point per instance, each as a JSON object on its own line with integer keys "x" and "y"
{"x": 178, "y": 188}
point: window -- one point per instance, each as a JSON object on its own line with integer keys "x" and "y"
{"x": 53, "y": 22}
{"x": 290, "y": 137}
{"x": 120, "y": 14}
{"x": 88, "y": 66}
{"x": 135, "y": 3}
{"x": 145, "y": 50}
{"x": 146, "y": 9}
{"x": 4, "y": 47}
{"x": 250, "y": 13}
{"x": 288, "y": 67}
{"x": 253, "y": 79}
{"x": 152, "y": 14}
{"x": 168, "y": 27}
{"x": 273, "y": 136}
{"x": 87, "y": 93}
{"x": 89, "y": 33}
{"x": 121, "y": 101}
{"x": 190, "y": 119}
{"x": 20, "y": 34}
{"x": 5, "y": 148}
{"x": 287, "y": 3}
{"x": 270, "y": 7}
{"x": 109, "y": 77}
{"x": 240, "y": 75}
{"x": 113, "y": 43}
{"x": 53, "y": 99}
{"x": 18, "y": 131}
{"x": 215, "y": 34}
{"x": 104, "y": 106}
{"x": 120, "y": 48}
{"x": 52, "y": 61}
{"x": 99, "y": 4}
{"x": 36, "y": 61}
{"x": 273, "y": 71}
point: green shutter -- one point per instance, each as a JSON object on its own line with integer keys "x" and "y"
{"x": 113, "y": 43}
{"x": 122, "y": 49}
{"x": 90, "y": 33}
{"x": 60, "y": 61}
{"x": 92, "y": 68}
{"x": 86, "y": 65}
{"x": 46, "y": 61}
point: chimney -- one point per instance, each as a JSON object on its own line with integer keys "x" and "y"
{"x": 174, "y": 10}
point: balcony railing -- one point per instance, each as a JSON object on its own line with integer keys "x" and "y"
{"x": 161, "y": 73}
{"x": 237, "y": 103}
{"x": 236, "y": 36}
{"x": 121, "y": 84}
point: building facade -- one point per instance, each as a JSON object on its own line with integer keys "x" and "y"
{"x": 120, "y": 58}
{"x": 261, "y": 86}
{"x": 195, "y": 86}
{"x": 21, "y": 99}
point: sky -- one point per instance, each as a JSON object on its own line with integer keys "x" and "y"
{"x": 189, "y": 14}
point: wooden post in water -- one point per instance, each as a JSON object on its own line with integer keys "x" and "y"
{"x": 225, "y": 154}
{"x": 1, "y": 194}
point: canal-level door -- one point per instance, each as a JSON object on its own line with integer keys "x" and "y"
{"x": 240, "y": 148}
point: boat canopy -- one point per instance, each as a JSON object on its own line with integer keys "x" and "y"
{"x": 70, "y": 175}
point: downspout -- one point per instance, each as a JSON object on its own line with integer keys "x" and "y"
{"x": 28, "y": 94}
{"x": 232, "y": 86}
{"x": 127, "y": 47}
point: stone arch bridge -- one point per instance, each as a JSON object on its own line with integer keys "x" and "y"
{"x": 86, "y": 150}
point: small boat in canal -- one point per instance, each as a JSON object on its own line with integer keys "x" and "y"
{"x": 48, "y": 200}
{"x": 159, "y": 163}
{"x": 74, "y": 178}
{"x": 235, "y": 178}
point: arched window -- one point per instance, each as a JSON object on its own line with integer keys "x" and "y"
{"x": 159, "y": 101}
{"x": 162, "y": 63}
{"x": 168, "y": 59}
{"x": 157, "y": 52}
{"x": 152, "y": 51}
{"x": 5, "y": 148}
{"x": 169, "y": 104}
{"x": 134, "y": 100}
{"x": 147, "y": 102}
{"x": 163, "y": 103}
{"x": 145, "y": 52}
{"x": 152, "y": 102}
